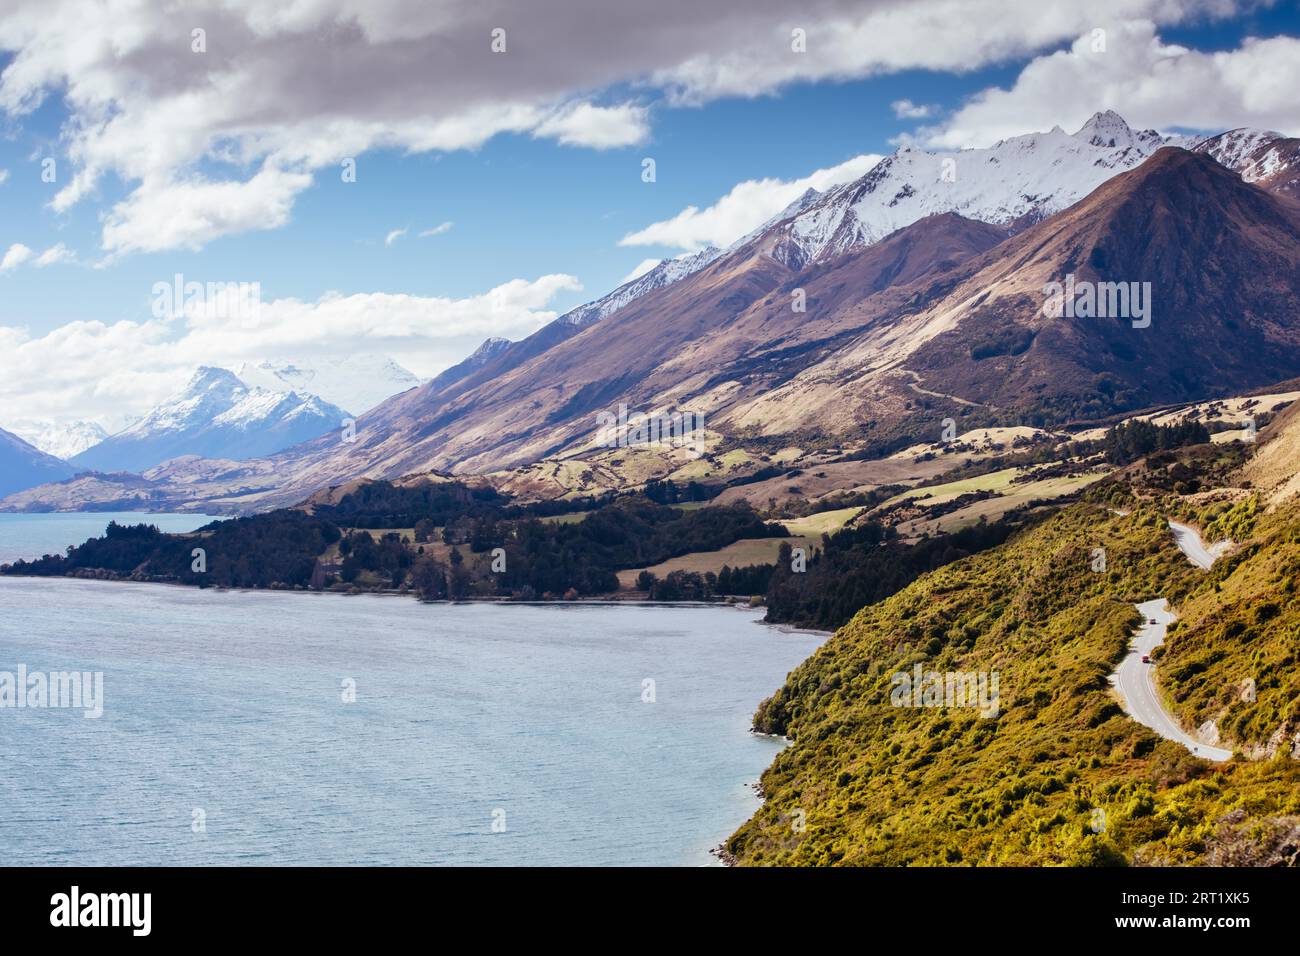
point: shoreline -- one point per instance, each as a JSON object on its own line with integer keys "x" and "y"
{"x": 740, "y": 604}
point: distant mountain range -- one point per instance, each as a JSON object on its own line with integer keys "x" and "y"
{"x": 216, "y": 415}
{"x": 922, "y": 293}
{"x": 62, "y": 440}
{"x": 257, "y": 410}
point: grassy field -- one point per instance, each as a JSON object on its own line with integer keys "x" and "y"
{"x": 573, "y": 518}
{"x": 738, "y": 554}
{"x": 712, "y": 466}
{"x": 823, "y": 522}
{"x": 990, "y": 509}
{"x": 937, "y": 494}
{"x": 806, "y": 532}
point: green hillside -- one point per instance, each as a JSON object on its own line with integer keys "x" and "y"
{"x": 868, "y": 783}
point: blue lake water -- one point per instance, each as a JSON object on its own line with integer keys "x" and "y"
{"x": 35, "y": 535}
{"x": 529, "y": 717}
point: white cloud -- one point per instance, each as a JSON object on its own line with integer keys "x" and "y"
{"x": 599, "y": 127}
{"x": 15, "y": 256}
{"x": 1151, "y": 83}
{"x": 644, "y": 266}
{"x": 87, "y": 369}
{"x": 746, "y": 207}
{"x": 193, "y": 212}
{"x": 19, "y": 254}
{"x": 4, "y": 176}
{"x": 906, "y": 109}
{"x": 864, "y": 39}
{"x": 54, "y": 254}
{"x": 393, "y": 236}
{"x": 437, "y": 230}
{"x": 224, "y": 141}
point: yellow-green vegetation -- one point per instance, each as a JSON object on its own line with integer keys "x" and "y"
{"x": 1232, "y": 656}
{"x": 866, "y": 782}
{"x": 823, "y": 522}
{"x": 712, "y": 466}
{"x": 690, "y": 505}
{"x": 1233, "y": 520}
{"x": 934, "y": 494}
{"x": 572, "y": 518}
{"x": 738, "y": 554}
{"x": 990, "y": 509}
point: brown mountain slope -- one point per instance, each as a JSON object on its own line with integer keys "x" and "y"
{"x": 1274, "y": 469}
{"x": 1223, "y": 262}
{"x": 723, "y": 335}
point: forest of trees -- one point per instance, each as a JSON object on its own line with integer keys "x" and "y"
{"x": 379, "y": 505}
{"x": 279, "y": 547}
{"x": 538, "y": 557}
{"x": 633, "y": 532}
{"x": 1129, "y": 441}
{"x": 860, "y": 565}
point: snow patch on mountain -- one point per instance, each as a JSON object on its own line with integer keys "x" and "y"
{"x": 489, "y": 348}
{"x": 60, "y": 439}
{"x": 665, "y": 273}
{"x": 1260, "y": 156}
{"x": 1038, "y": 174}
{"x": 356, "y": 383}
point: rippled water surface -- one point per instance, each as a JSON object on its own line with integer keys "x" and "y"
{"x": 232, "y": 703}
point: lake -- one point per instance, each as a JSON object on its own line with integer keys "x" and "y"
{"x": 34, "y": 535}
{"x": 299, "y": 728}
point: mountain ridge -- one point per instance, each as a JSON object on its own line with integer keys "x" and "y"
{"x": 727, "y": 339}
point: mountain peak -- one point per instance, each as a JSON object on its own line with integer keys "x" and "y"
{"x": 489, "y": 348}
{"x": 206, "y": 376}
{"x": 1106, "y": 129}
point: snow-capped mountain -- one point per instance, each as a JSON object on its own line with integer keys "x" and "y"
{"x": 1024, "y": 177}
{"x": 673, "y": 270}
{"x": 665, "y": 273}
{"x": 355, "y": 383}
{"x": 1267, "y": 159}
{"x": 60, "y": 439}
{"x": 1020, "y": 180}
{"x": 216, "y": 415}
{"x": 481, "y": 356}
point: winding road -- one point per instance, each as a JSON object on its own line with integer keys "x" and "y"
{"x": 1135, "y": 681}
{"x": 1189, "y": 542}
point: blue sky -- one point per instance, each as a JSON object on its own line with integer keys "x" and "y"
{"x": 519, "y": 206}
{"x": 523, "y": 203}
